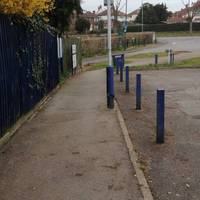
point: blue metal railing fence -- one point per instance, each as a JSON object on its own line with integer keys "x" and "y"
{"x": 28, "y": 70}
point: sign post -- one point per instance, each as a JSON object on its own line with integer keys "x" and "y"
{"x": 60, "y": 53}
{"x": 74, "y": 58}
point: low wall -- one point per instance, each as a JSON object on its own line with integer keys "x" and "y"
{"x": 97, "y": 45}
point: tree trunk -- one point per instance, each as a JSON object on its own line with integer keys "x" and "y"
{"x": 191, "y": 26}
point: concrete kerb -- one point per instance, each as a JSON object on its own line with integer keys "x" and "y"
{"x": 145, "y": 189}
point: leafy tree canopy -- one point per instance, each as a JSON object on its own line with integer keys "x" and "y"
{"x": 60, "y": 15}
{"x": 37, "y": 13}
{"x": 162, "y": 12}
{"x": 153, "y": 14}
{"x": 82, "y": 25}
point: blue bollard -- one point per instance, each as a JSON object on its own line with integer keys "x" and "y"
{"x": 118, "y": 60}
{"x": 156, "y": 59}
{"x": 160, "y": 116}
{"x": 117, "y": 69}
{"x": 127, "y": 79}
{"x": 110, "y": 87}
{"x": 138, "y": 91}
{"x": 121, "y": 73}
{"x": 107, "y": 89}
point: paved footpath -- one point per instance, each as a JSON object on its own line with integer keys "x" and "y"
{"x": 72, "y": 150}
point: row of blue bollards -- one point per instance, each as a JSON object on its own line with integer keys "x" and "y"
{"x": 160, "y": 117}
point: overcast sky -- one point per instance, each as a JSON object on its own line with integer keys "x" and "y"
{"x": 173, "y": 5}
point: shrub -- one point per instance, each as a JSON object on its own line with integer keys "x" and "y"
{"x": 27, "y": 8}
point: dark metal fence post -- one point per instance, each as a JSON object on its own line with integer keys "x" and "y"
{"x": 138, "y": 91}
{"x": 156, "y": 59}
{"x": 160, "y": 116}
{"x": 127, "y": 79}
{"x": 173, "y": 58}
{"x": 121, "y": 73}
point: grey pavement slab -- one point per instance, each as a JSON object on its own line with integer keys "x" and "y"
{"x": 72, "y": 150}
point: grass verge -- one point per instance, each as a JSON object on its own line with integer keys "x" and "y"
{"x": 190, "y": 63}
{"x": 177, "y": 34}
{"x": 102, "y": 65}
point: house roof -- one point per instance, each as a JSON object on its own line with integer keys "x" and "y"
{"x": 104, "y": 13}
{"x": 135, "y": 12}
{"x": 181, "y": 15}
{"x": 89, "y": 14}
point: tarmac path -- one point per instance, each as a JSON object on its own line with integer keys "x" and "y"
{"x": 72, "y": 150}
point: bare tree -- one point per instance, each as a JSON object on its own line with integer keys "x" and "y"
{"x": 191, "y": 9}
{"x": 116, "y": 11}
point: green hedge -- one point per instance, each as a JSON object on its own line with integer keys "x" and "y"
{"x": 164, "y": 27}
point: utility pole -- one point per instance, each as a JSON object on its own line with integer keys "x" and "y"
{"x": 142, "y": 17}
{"x": 126, "y": 12}
{"x": 125, "y": 25}
{"x": 109, "y": 33}
{"x": 110, "y": 70}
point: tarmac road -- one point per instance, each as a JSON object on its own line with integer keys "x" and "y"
{"x": 177, "y": 44}
{"x": 172, "y": 169}
{"x": 189, "y": 44}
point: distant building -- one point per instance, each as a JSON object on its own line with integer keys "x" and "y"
{"x": 92, "y": 17}
{"x": 178, "y": 17}
{"x": 182, "y": 15}
{"x": 131, "y": 17}
{"x": 197, "y": 18}
{"x": 101, "y": 15}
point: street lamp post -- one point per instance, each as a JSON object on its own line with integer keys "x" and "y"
{"x": 109, "y": 34}
{"x": 126, "y": 20}
{"x": 125, "y": 24}
{"x": 142, "y": 17}
{"x": 126, "y": 9}
{"x": 110, "y": 71}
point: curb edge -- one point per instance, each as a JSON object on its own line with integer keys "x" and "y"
{"x": 145, "y": 189}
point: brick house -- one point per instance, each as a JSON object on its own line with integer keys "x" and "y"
{"x": 182, "y": 15}
{"x": 133, "y": 15}
{"x": 93, "y": 18}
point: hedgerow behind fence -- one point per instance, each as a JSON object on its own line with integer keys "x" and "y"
{"x": 164, "y": 27}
